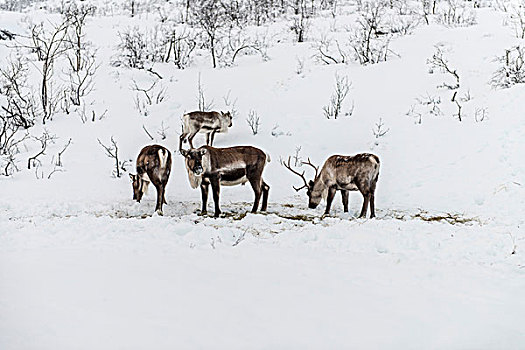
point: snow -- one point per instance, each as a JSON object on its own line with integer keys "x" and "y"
{"x": 82, "y": 266}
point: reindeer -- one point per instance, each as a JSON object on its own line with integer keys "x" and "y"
{"x": 228, "y": 167}
{"x": 344, "y": 173}
{"x": 208, "y": 123}
{"x": 153, "y": 165}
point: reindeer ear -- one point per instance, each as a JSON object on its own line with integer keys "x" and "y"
{"x": 183, "y": 152}
{"x": 203, "y": 151}
{"x": 131, "y": 176}
{"x": 310, "y": 183}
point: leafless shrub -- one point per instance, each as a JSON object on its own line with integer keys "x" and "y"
{"x": 91, "y": 115}
{"x": 438, "y": 61}
{"x": 254, "y": 121}
{"x": 413, "y": 112}
{"x": 380, "y": 130}
{"x": 431, "y": 103}
{"x": 58, "y": 161}
{"x": 298, "y": 161}
{"x": 112, "y": 152}
{"x": 329, "y": 51}
{"x": 20, "y": 106}
{"x": 45, "y": 140}
{"x": 162, "y": 132}
{"x": 239, "y": 42}
{"x": 231, "y": 104}
{"x": 299, "y": 67}
{"x": 512, "y": 69}
{"x": 148, "y": 96}
{"x": 203, "y": 104}
{"x": 334, "y": 107}
{"x": 456, "y": 13}
{"x": 481, "y": 114}
{"x": 133, "y": 48}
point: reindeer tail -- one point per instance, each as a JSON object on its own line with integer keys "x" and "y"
{"x": 163, "y": 157}
{"x": 268, "y": 159}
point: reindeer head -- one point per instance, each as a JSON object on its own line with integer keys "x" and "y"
{"x": 194, "y": 160}
{"x": 228, "y": 117}
{"x": 314, "y": 197}
{"x": 139, "y": 186}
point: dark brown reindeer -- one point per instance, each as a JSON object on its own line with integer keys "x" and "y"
{"x": 228, "y": 167}
{"x": 208, "y": 123}
{"x": 344, "y": 173}
{"x": 153, "y": 165}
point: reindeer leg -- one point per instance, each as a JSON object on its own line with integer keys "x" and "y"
{"x": 366, "y": 200}
{"x": 216, "y": 188}
{"x": 164, "y": 194}
{"x": 190, "y": 139}
{"x": 331, "y": 194}
{"x": 372, "y": 206}
{"x": 208, "y": 139}
{"x": 256, "y": 183}
{"x": 265, "y": 190}
{"x": 204, "y": 193}
{"x": 372, "y": 200}
{"x": 344, "y": 194}
{"x": 213, "y": 136}
{"x": 160, "y": 197}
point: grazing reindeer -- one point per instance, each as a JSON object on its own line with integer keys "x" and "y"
{"x": 344, "y": 173}
{"x": 208, "y": 123}
{"x": 229, "y": 167}
{"x": 153, "y": 165}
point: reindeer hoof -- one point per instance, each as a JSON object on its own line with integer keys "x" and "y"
{"x": 160, "y": 213}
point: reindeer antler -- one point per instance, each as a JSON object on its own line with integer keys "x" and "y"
{"x": 289, "y": 167}
{"x": 313, "y": 166}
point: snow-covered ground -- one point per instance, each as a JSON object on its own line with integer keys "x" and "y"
{"x": 83, "y": 267}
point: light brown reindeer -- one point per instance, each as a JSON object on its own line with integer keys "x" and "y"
{"x": 227, "y": 167}
{"x": 153, "y": 165}
{"x": 208, "y": 123}
{"x": 344, "y": 173}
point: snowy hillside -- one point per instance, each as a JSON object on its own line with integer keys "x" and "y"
{"x": 439, "y": 99}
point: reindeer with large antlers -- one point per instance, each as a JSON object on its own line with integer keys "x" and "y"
{"x": 344, "y": 173}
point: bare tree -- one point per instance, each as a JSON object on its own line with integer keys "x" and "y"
{"x": 210, "y": 16}
{"x": 369, "y": 41}
{"x": 50, "y": 45}
{"x": 180, "y": 46}
{"x": 301, "y": 20}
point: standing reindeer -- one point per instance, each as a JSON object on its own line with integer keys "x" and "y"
{"x": 153, "y": 165}
{"x": 228, "y": 167}
{"x": 208, "y": 123}
{"x": 344, "y": 173}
